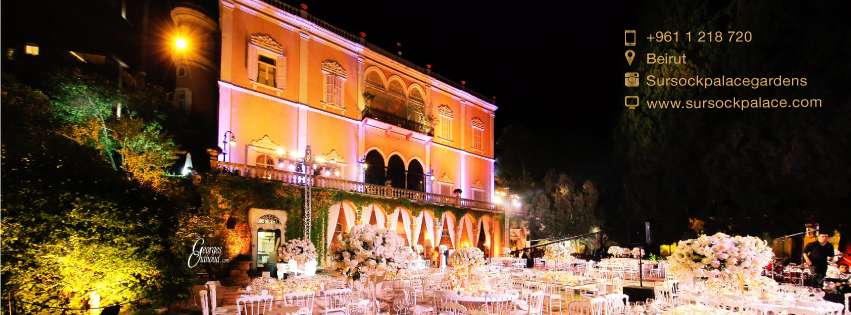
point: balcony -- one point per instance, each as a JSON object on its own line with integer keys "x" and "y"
{"x": 397, "y": 120}
{"x": 299, "y": 179}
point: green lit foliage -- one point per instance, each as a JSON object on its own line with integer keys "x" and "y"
{"x": 71, "y": 223}
{"x": 145, "y": 150}
{"x": 72, "y": 244}
{"x": 87, "y": 109}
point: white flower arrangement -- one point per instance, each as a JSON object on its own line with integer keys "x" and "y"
{"x": 297, "y": 249}
{"x": 637, "y": 252}
{"x": 467, "y": 257}
{"x": 614, "y": 250}
{"x": 720, "y": 255}
{"x": 559, "y": 252}
{"x": 370, "y": 251}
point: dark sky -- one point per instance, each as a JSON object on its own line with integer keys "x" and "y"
{"x": 553, "y": 66}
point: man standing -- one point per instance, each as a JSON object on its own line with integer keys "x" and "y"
{"x": 816, "y": 255}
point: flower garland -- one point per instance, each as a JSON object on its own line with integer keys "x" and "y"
{"x": 297, "y": 249}
{"x": 720, "y": 255}
{"x": 370, "y": 251}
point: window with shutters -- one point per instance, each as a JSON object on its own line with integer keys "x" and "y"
{"x": 266, "y": 62}
{"x": 478, "y": 134}
{"x": 479, "y": 194}
{"x": 444, "y": 123}
{"x": 265, "y": 161}
{"x": 333, "y": 76}
{"x": 266, "y": 70}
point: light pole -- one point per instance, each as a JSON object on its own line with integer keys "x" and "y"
{"x": 227, "y": 142}
{"x": 308, "y": 159}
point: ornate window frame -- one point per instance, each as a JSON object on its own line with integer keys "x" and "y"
{"x": 445, "y": 117}
{"x": 335, "y": 75}
{"x": 478, "y": 127}
{"x": 261, "y": 44}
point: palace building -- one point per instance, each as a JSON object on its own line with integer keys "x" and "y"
{"x": 302, "y": 101}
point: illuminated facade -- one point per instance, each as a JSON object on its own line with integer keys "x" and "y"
{"x": 373, "y": 125}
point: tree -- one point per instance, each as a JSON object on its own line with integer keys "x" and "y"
{"x": 71, "y": 223}
{"x": 90, "y": 112}
{"x": 561, "y": 207}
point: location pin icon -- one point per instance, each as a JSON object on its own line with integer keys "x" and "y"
{"x": 630, "y": 55}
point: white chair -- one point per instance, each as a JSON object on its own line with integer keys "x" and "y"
{"x": 303, "y": 300}
{"x": 553, "y": 298}
{"x": 617, "y": 283}
{"x": 664, "y": 296}
{"x": 598, "y": 305}
{"x": 579, "y": 308}
{"x": 205, "y": 302}
{"x": 534, "y": 303}
{"x": 214, "y": 309}
{"x": 254, "y": 304}
{"x": 450, "y": 308}
{"x": 336, "y": 301}
{"x": 617, "y": 303}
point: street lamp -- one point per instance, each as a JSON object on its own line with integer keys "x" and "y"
{"x": 227, "y": 142}
{"x": 179, "y": 43}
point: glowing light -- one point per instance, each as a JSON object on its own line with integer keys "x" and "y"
{"x": 365, "y": 166}
{"x": 291, "y": 167}
{"x": 326, "y": 173}
{"x": 281, "y": 165}
{"x": 497, "y": 198}
{"x": 280, "y": 151}
{"x": 181, "y": 44}
{"x": 320, "y": 159}
{"x": 595, "y": 229}
{"x": 233, "y": 143}
{"x": 516, "y": 202}
{"x": 337, "y": 173}
{"x": 76, "y": 55}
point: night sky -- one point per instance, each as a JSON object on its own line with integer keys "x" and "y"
{"x": 553, "y": 66}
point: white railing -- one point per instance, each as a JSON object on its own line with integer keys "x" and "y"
{"x": 293, "y": 178}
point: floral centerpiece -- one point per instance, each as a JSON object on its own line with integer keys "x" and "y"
{"x": 371, "y": 252}
{"x": 614, "y": 251}
{"x": 637, "y": 252}
{"x": 559, "y": 252}
{"x": 720, "y": 255}
{"x": 464, "y": 262}
{"x": 297, "y": 249}
{"x": 467, "y": 257}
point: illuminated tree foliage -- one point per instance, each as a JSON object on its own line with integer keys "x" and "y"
{"x": 72, "y": 224}
{"x": 88, "y": 110}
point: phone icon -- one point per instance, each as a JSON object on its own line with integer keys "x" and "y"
{"x": 629, "y": 38}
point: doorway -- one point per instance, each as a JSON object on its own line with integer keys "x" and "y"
{"x": 266, "y": 251}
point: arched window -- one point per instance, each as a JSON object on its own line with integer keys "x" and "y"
{"x": 416, "y": 107}
{"x": 415, "y": 180}
{"x": 396, "y": 171}
{"x": 268, "y": 219}
{"x": 373, "y": 80}
{"x": 265, "y": 160}
{"x": 374, "y": 173}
